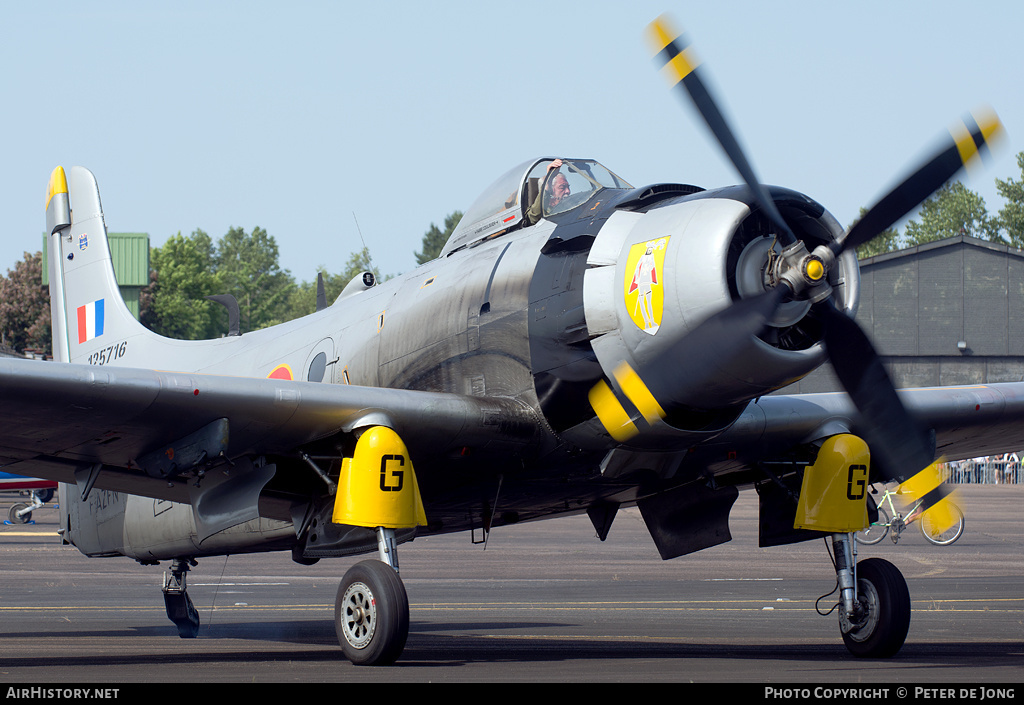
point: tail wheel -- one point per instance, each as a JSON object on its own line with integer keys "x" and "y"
{"x": 371, "y": 614}
{"x": 882, "y": 619}
{"x": 13, "y": 514}
{"x": 877, "y": 531}
{"x": 943, "y": 538}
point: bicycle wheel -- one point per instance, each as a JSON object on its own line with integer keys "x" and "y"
{"x": 877, "y": 531}
{"x": 942, "y": 538}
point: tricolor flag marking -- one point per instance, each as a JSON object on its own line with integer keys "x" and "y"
{"x": 90, "y": 321}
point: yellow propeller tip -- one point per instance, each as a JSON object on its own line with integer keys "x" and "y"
{"x": 989, "y": 123}
{"x": 986, "y": 130}
{"x": 660, "y": 33}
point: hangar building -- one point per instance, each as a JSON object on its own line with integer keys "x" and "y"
{"x": 943, "y": 313}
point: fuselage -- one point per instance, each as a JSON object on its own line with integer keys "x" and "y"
{"x": 536, "y": 313}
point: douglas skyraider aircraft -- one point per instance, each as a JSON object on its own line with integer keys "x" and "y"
{"x": 580, "y": 345}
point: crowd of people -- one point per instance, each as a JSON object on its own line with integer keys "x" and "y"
{"x": 993, "y": 470}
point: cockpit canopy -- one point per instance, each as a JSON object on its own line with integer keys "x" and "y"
{"x": 529, "y": 192}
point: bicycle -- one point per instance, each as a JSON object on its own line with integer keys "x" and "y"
{"x": 891, "y": 520}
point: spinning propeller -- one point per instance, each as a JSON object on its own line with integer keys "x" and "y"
{"x": 900, "y": 447}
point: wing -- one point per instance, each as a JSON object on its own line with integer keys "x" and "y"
{"x": 116, "y": 428}
{"x": 967, "y": 421}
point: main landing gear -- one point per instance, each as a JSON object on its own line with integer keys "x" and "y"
{"x": 371, "y": 612}
{"x": 874, "y": 612}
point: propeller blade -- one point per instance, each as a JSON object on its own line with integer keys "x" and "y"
{"x": 899, "y": 445}
{"x": 966, "y": 141}
{"x": 860, "y": 371}
{"x": 679, "y": 64}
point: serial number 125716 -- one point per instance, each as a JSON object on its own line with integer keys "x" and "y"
{"x": 109, "y": 354}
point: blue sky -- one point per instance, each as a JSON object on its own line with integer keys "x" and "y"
{"x": 305, "y": 117}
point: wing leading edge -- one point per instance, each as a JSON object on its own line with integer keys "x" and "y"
{"x": 967, "y": 421}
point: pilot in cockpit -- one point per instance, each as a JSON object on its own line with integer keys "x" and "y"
{"x": 556, "y": 189}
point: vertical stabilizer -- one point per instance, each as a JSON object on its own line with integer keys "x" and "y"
{"x": 89, "y": 318}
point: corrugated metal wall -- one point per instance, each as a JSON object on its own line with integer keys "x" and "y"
{"x": 927, "y": 300}
{"x": 919, "y": 304}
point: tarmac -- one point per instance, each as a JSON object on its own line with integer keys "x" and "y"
{"x": 544, "y": 602}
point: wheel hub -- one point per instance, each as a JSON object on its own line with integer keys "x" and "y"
{"x": 861, "y": 625}
{"x": 359, "y": 618}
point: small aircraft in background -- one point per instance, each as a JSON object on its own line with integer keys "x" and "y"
{"x": 579, "y": 345}
{"x": 40, "y": 490}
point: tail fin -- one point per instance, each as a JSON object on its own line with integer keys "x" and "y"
{"x": 89, "y": 318}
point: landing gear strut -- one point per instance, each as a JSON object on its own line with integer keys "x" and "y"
{"x": 21, "y": 513}
{"x": 371, "y": 612}
{"x": 180, "y": 609}
{"x": 874, "y": 613}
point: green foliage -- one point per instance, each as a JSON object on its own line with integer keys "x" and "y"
{"x": 25, "y": 307}
{"x": 1011, "y": 216}
{"x": 247, "y": 268}
{"x": 435, "y": 238}
{"x": 187, "y": 270}
{"x": 182, "y": 275}
{"x": 952, "y": 210}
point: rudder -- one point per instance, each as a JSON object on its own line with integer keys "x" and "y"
{"x": 90, "y": 321}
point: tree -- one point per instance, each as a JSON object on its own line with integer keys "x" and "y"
{"x": 888, "y": 240}
{"x": 25, "y": 307}
{"x": 435, "y": 238}
{"x": 187, "y": 270}
{"x": 174, "y": 304}
{"x": 247, "y": 268}
{"x": 952, "y": 210}
{"x": 1011, "y": 216}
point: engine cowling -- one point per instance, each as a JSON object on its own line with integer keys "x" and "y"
{"x": 657, "y": 274}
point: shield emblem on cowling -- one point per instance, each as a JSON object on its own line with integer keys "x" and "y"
{"x": 643, "y": 291}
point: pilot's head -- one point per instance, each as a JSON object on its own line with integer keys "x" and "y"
{"x": 558, "y": 190}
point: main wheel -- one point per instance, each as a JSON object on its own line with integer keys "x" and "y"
{"x": 882, "y": 619}
{"x": 877, "y": 531}
{"x": 371, "y": 614}
{"x": 943, "y": 538}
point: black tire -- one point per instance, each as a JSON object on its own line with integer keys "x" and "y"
{"x": 943, "y": 538}
{"x": 371, "y": 614}
{"x": 877, "y": 531}
{"x": 883, "y": 619}
{"x": 12, "y": 515}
